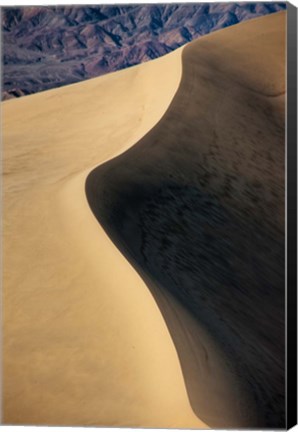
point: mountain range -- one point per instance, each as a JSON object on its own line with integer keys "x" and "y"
{"x": 50, "y": 46}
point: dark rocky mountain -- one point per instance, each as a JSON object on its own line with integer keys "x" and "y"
{"x": 51, "y": 46}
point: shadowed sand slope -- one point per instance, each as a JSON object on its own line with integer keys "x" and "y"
{"x": 197, "y": 207}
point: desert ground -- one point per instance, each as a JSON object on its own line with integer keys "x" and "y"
{"x": 143, "y": 241}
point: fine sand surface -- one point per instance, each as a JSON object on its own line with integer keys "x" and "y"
{"x": 197, "y": 206}
{"x": 92, "y": 336}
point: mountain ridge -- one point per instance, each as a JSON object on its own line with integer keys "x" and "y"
{"x": 50, "y": 46}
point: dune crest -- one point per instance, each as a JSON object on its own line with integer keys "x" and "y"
{"x": 84, "y": 342}
{"x": 197, "y": 207}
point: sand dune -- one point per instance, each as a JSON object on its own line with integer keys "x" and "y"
{"x": 96, "y": 337}
{"x": 197, "y": 206}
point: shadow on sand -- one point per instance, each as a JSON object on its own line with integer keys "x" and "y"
{"x": 197, "y": 207}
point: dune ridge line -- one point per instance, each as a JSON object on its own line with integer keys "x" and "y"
{"x": 73, "y": 354}
{"x": 183, "y": 178}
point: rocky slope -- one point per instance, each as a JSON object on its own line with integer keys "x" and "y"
{"x": 46, "y": 47}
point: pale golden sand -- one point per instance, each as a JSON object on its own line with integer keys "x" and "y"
{"x": 84, "y": 340}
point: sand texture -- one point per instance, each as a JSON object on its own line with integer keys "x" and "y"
{"x": 143, "y": 241}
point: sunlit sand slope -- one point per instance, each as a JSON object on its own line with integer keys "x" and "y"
{"x": 84, "y": 342}
{"x": 197, "y": 207}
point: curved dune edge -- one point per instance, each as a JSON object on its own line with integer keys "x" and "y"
{"x": 217, "y": 392}
{"x": 67, "y": 359}
{"x": 84, "y": 342}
